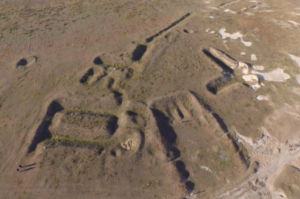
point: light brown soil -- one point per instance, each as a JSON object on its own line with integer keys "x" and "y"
{"x": 124, "y": 99}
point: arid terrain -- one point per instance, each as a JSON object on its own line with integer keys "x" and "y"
{"x": 166, "y": 99}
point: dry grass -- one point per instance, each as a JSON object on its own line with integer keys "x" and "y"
{"x": 97, "y": 143}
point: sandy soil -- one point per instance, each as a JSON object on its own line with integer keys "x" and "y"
{"x": 149, "y": 99}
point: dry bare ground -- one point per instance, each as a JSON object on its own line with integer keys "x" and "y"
{"x": 150, "y": 99}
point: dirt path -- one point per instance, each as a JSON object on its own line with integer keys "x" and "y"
{"x": 260, "y": 184}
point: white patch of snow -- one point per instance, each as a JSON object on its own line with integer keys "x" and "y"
{"x": 250, "y": 78}
{"x": 228, "y": 10}
{"x": 236, "y": 35}
{"x": 258, "y": 67}
{"x": 276, "y": 75}
{"x": 262, "y": 97}
{"x": 214, "y": 8}
{"x": 255, "y": 87}
{"x": 253, "y": 57}
{"x": 295, "y": 59}
{"x": 207, "y": 30}
{"x": 211, "y": 17}
{"x": 205, "y": 168}
{"x": 244, "y": 67}
{"x": 294, "y": 23}
{"x": 231, "y": 36}
{"x": 245, "y": 71}
{"x": 212, "y": 32}
{"x": 243, "y": 53}
{"x": 246, "y": 43}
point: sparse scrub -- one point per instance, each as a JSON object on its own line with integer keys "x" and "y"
{"x": 76, "y": 142}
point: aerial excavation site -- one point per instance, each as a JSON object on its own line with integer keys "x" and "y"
{"x": 150, "y": 99}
